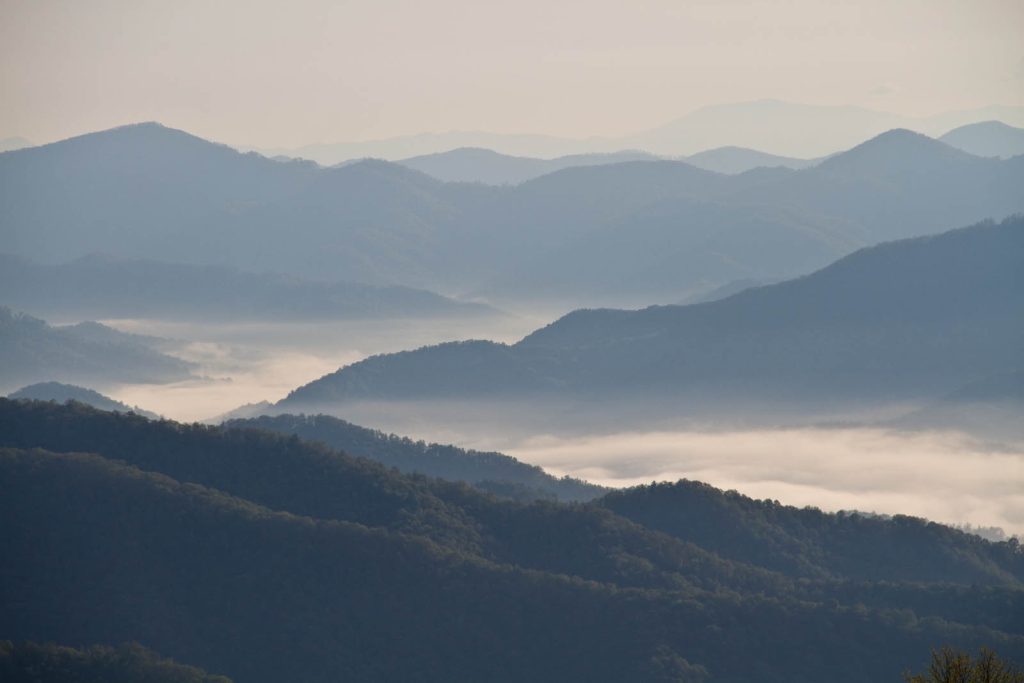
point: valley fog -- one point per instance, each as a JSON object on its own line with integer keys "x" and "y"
{"x": 944, "y": 476}
{"x": 243, "y": 363}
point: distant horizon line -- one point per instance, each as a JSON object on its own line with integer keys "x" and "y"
{"x": 272, "y": 149}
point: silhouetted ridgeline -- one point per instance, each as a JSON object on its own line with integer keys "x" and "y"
{"x": 384, "y": 224}
{"x": 913, "y": 318}
{"x": 27, "y": 662}
{"x": 62, "y": 393}
{"x": 265, "y": 558}
{"x": 476, "y": 165}
{"x": 494, "y": 472}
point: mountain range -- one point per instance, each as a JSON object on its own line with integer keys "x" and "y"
{"x": 151, "y": 193}
{"x": 786, "y": 129}
{"x": 477, "y": 165}
{"x": 84, "y": 353}
{"x": 108, "y": 287}
{"x": 987, "y": 139}
{"x": 902, "y": 320}
{"x": 246, "y": 553}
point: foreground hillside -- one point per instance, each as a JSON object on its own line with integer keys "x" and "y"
{"x": 911, "y": 319}
{"x": 244, "y": 552}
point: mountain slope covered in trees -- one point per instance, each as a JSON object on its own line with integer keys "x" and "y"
{"x": 62, "y": 393}
{"x": 493, "y": 472}
{"x": 244, "y": 552}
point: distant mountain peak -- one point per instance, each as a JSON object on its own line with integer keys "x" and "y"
{"x": 987, "y": 139}
{"x": 896, "y": 148}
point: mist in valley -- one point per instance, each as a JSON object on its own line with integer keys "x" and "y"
{"x": 538, "y": 341}
{"x": 251, "y": 362}
{"x": 835, "y": 455}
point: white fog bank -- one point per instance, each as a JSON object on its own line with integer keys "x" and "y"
{"x": 946, "y": 477}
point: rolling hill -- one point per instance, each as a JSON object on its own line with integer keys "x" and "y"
{"x": 86, "y": 353}
{"x": 108, "y": 287}
{"x": 476, "y": 165}
{"x": 493, "y": 472}
{"x": 210, "y": 544}
{"x": 62, "y": 393}
{"x": 785, "y": 128}
{"x": 912, "y": 318}
{"x": 152, "y": 193}
{"x": 987, "y": 139}
{"x": 733, "y": 160}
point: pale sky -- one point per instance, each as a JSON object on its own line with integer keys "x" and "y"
{"x": 250, "y": 72}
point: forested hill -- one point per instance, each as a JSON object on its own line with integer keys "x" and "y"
{"x": 494, "y": 472}
{"x": 918, "y": 317}
{"x": 62, "y": 393}
{"x": 243, "y": 551}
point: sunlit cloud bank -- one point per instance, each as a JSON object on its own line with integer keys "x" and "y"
{"x": 244, "y": 363}
{"x": 947, "y": 477}
{"x": 219, "y": 392}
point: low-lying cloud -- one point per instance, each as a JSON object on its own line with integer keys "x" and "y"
{"x": 944, "y": 476}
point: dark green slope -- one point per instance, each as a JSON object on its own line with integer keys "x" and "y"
{"x": 809, "y": 542}
{"x": 491, "y": 471}
{"x": 102, "y": 552}
{"x": 284, "y": 473}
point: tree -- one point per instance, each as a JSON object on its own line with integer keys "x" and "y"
{"x": 950, "y": 666}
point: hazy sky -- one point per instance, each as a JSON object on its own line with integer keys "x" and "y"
{"x": 288, "y": 73}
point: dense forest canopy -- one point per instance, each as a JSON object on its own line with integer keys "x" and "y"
{"x": 166, "y": 532}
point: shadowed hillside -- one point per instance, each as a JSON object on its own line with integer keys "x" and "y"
{"x": 169, "y": 532}
{"x": 494, "y": 472}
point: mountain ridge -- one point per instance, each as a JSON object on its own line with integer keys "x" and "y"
{"x": 868, "y": 322}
